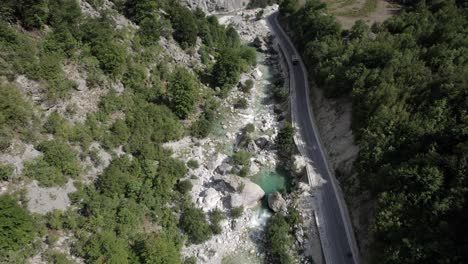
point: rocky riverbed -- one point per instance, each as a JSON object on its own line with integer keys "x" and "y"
{"x": 214, "y": 186}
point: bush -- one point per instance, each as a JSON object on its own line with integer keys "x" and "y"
{"x": 105, "y": 245}
{"x": 150, "y": 30}
{"x": 259, "y": 15}
{"x": 182, "y": 92}
{"x": 241, "y": 157}
{"x": 16, "y": 225}
{"x": 285, "y": 140}
{"x": 248, "y": 55}
{"x": 193, "y": 223}
{"x": 278, "y": 240}
{"x": 159, "y": 250}
{"x": 203, "y": 126}
{"x": 111, "y": 56}
{"x": 6, "y": 171}
{"x": 15, "y": 112}
{"x": 247, "y": 86}
{"x": 226, "y": 70}
{"x": 46, "y": 174}
{"x": 216, "y": 216}
{"x": 249, "y": 128}
{"x": 193, "y": 164}
{"x": 237, "y": 212}
{"x": 190, "y": 260}
{"x": 185, "y": 26}
{"x": 244, "y": 171}
{"x": 57, "y": 126}
{"x": 150, "y": 123}
{"x": 56, "y": 257}
{"x": 61, "y": 156}
{"x": 241, "y": 103}
{"x": 184, "y": 186}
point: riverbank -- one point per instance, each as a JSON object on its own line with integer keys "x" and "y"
{"x": 215, "y": 187}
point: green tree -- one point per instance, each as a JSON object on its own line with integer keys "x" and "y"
{"x": 106, "y": 247}
{"x": 226, "y": 70}
{"x": 182, "y": 92}
{"x": 6, "y": 171}
{"x": 241, "y": 157}
{"x": 185, "y": 26}
{"x": 278, "y": 240}
{"x": 61, "y": 156}
{"x": 150, "y": 30}
{"x": 16, "y": 225}
{"x": 193, "y": 223}
{"x": 285, "y": 140}
{"x": 111, "y": 56}
{"x": 15, "y": 112}
{"x": 159, "y": 250}
{"x": 33, "y": 13}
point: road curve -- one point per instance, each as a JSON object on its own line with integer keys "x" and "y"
{"x": 336, "y": 233}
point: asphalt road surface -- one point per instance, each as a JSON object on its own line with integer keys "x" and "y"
{"x": 338, "y": 243}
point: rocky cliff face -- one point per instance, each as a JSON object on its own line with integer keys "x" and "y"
{"x": 217, "y": 5}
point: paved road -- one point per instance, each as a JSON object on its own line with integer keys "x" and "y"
{"x": 338, "y": 242}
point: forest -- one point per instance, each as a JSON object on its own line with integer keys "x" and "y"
{"x": 407, "y": 79}
{"x": 137, "y": 210}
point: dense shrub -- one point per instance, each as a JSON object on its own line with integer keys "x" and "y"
{"x": 61, "y": 156}
{"x": 241, "y": 103}
{"x": 182, "y": 92}
{"x": 247, "y": 86}
{"x": 407, "y": 80}
{"x": 15, "y": 112}
{"x": 237, "y": 212}
{"x": 6, "y": 171}
{"x": 151, "y": 123}
{"x": 216, "y": 216}
{"x": 203, "y": 126}
{"x": 226, "y": 70}
{"x": 56, "y": 257}
{"x": 150, "y": 30}
{"x": 16, "y": 225}
{"x": 159, "y": 250}
{"x": 185, "y": 26}
{"x": 278, "y": 240}
{"x": 193, "y": 164}
{"x": 105, "y": 245}
{"x": 46, "y": 174}
{"x": 249, "y": 128}
{"x": 241, "y": 157}
{"x": 193, "y": 223}
{"x": 285, "y": 140}
{"x": 58, "y": 126}
{"x": 184, "y": 186}
{"x": 111, "y": 56}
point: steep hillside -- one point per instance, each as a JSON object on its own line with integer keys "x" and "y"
{"x": 406, "y": 79}
{"x": 89, "y": 93}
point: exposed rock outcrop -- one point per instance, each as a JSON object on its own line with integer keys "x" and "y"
{"x": 247, "y": 194}
{"x": 217, "y": 5}
{"x": 276, "y": 202}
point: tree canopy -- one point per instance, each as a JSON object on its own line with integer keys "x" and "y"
{"x": 16, "y": 225}
{"x": 407, "y": 81}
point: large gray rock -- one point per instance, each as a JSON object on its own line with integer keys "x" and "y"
{"x": 247, "y": 194}
{"x": 276, "y": 202}
{"x": 249, "y": 197}
{"x": 224, "y": 169}
{"x": 217, "y": 5}
{"x": 298, "y": 164}
{"x": 211, "y": 199}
